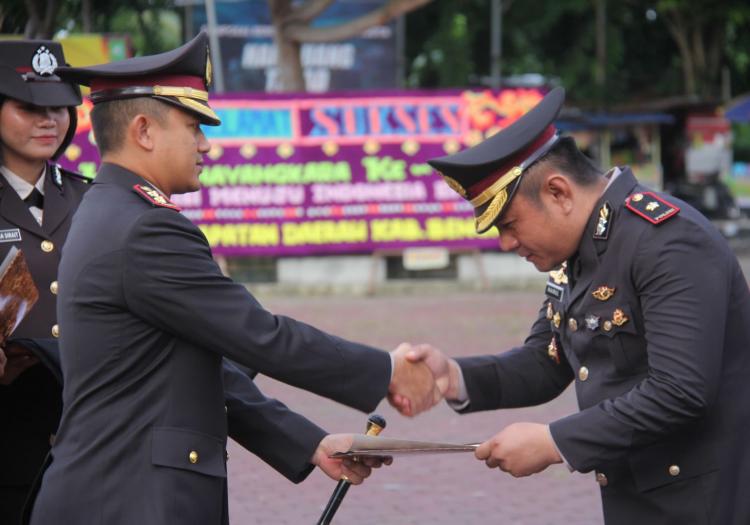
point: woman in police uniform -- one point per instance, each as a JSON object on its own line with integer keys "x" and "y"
{"x": 37, "y": 201}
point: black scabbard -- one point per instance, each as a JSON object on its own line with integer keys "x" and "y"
{"x": 334, "y": 502}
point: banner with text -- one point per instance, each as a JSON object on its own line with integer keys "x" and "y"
{"x": 334, "y": 173}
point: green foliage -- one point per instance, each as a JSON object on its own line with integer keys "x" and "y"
{"x": 557, "y": 39}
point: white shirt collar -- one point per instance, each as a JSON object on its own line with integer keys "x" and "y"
{"x": 22, "y": 187}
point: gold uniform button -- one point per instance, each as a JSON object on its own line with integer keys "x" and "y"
{"x": 53, "y": 287}
{"x": 572, "y": 324}
{"x": 55, "y": 331}
{"x": 193, "y": 457}
{"x": 607, "y": 325}
{"x": 674, "y": 470}
{"x": 601, "y": 479}
{"x": 47, "y": 246}
{"x": 583, "y": 373}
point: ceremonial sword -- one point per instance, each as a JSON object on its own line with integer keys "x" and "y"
{"x": 375, "y": 425}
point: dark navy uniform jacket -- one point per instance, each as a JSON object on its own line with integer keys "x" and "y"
{"x": 30, "y": 406}
{"x": 651, "y": 319}
{"x": 145, "y": 319}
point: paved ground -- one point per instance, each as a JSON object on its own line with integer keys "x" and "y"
{"x": 439, "y": 490}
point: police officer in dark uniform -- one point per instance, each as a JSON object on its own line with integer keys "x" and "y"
{"x": 37, "y": 201}
{"x": 146, "y": 317}
{"x": 646, "y": 310}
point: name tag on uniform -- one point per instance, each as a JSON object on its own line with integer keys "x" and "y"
{"x": 13, "y": 235}
{"x": 554, "y": 291}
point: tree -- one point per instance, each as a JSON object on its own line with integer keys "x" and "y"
{"x": 292, "y": 28}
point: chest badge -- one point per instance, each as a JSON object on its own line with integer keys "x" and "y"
{"x": 560, "y": 276}
{"x": 154, "y": 197}
{"x": 619, "y": 318}
{"x": 603, "y": 222}
{"x": 552, "y": 351}
{"x": 603, "y": 293}
{"x": 592, "y": 321}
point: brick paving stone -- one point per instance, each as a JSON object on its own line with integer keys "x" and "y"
{"x": 439, "y": 489}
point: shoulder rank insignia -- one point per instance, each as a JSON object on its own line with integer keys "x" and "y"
{"x": 651, "y": 207}
{"x": 603, "y": 222}
{"x": 603, "y": 293}
{"x": 154, "y": 197}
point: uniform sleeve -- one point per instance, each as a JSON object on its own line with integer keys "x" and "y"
{"x": 170, "y": 279}
{"x": 524, "y": 376}
{"x": 682, "y": 277}
{"x": 267, "y": 428}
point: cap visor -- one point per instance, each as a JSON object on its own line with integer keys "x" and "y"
{"x": 51, "y": 94}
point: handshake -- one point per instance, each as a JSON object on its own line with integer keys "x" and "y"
{"x": 422, "y": 376}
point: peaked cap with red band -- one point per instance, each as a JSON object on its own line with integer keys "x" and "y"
{"x": 488, "y": 174}
{"x": 28, "y": 72}
{"x": 179, "y": 77}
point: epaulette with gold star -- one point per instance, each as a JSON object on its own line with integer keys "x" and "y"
{"x": 651, "y": 207}
{"x": 149, "y": 194}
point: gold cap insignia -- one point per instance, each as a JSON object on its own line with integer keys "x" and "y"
{"x": 619, "y": 318}
{"x": 603, "y": 293}
{"x": 209, "y": 69}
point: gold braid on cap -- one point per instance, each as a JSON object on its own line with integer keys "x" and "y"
{"x": 499, "y": 184}
{"x": 454, "y": 185}
{"x": 484, "y": 221}
{"x": 197, "y": 106}
{"x": 169, "y": 91}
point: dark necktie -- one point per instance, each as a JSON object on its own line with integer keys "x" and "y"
{"x": 35, "y": 199}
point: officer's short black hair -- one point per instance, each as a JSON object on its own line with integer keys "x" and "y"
{"x": 109, "y": 120}
{"x": 565, "y": 157}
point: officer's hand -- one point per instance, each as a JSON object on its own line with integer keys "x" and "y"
{"x": 445, "y": 372}
{"x": 520, "y": 449}
{"x": 16, "y": 359}
{"x": 413, "y": 387}
{"x": 345, "y": 468}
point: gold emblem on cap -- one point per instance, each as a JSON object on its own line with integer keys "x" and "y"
{"x": 619, "y": 318}
{"x": 209, "y": 69}
{"x": 454, "y": 185}
{"x": 637, "y": 197}
{"x": 651, "y": 206}
{"x": 603, "y": 293}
